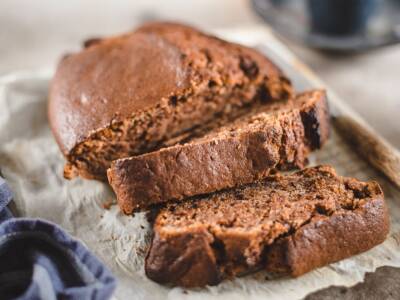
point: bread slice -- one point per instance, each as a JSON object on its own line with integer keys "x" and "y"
{"x": 124, "y": 95}
{"x": 280, "y": 136}
{"x": 287, "y": 225}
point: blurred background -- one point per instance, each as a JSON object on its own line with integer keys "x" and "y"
{"x": 35, "y": 34}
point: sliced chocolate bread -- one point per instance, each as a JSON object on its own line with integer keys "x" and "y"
{"x": 126, "y": 95}
{"x": 287, "y": 225}
{"x": 280, "y": 136}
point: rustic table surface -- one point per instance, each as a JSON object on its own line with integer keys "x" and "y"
{"x": 34, "y": 34}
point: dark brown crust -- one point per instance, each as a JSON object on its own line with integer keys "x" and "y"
{"x": 316, "y": 124}
{"x": 183, "y": 260}
{"x": 330, "y": 239}
{"x": 123, "y": 95}
{"x": 191, "y": 258}
{"x": 216, "y": 163}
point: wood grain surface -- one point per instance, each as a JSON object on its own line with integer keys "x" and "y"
{"x": 371, "y": 147}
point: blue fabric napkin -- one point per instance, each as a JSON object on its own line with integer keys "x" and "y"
{"x": 39, "y": 260}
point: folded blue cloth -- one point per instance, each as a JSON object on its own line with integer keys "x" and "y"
{"x": 39, "y": 260}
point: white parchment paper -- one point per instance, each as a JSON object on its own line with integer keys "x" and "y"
{"x": 32, "y": 164}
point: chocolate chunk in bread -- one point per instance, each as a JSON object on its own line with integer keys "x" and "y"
{"x": 286, "y": 224}
{"x": 248, "y": 149}
{"x": 126, "y": 95}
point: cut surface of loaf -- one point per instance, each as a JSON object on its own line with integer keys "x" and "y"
{"x": 280, "y": 136}
{"x": 286, "y": 224}
{"x": 125, "y": 95}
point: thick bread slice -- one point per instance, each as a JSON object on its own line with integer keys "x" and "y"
{"x": 287, "y": 225}
{"x": 124, "y": 95}
{"x": 280, "y": 136}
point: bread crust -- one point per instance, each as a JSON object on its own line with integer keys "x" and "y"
{"x": 185, "y": 259}
{"x": 194, "y": 257}
{"x": 330, "y": 239}
{"x": 214, "y": 163}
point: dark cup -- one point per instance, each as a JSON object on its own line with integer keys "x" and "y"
{"x": 340, "y": 17}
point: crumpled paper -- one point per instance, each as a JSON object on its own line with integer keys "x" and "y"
{"x": 33, "y": 165}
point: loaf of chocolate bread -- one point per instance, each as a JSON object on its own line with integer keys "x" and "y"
{"x": 287, "y": 225}
{"x": 279, "y": 136}
{"x": 126, "y": 95}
